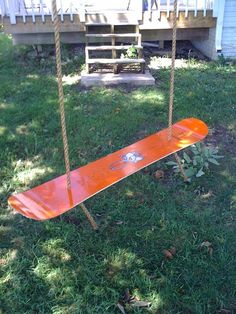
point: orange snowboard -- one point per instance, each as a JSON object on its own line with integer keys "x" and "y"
{"x": 53, "y": 198}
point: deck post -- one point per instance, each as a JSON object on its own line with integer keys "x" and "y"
{"x": 219, "y": 25}
{"x": 137, "y": 7}
{"x": 215, "y": 8}
{"x": 2, "y": 7}
{"x": 140, "y": 9}
{"x": 12, "y": 11}
{"x": 82, "y": 11}
{"x": 150, "y": 9}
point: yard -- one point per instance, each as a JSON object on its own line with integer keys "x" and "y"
{"x": 61, "y": 265}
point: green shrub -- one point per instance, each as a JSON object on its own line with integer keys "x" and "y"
{"x": 197, "y": 160}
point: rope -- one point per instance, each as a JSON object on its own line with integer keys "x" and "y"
{"x": 89, "y": 217}
{"x": 172, "y": 86}
{"x": 172, "y": 72}
{"x": 186, "y": 179}
{"x": 60, "y": 91}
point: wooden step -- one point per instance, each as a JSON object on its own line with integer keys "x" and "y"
{"x": 115, "y": 23}
{"x": 117, "y": 35}
{"x": 115, "y": 61}
{"x": 112, "y": 47}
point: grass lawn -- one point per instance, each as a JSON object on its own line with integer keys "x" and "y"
{"x": 62, "y": 266}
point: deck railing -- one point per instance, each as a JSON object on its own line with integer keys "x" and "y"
{"x": 182, "y": 5}
{"x": 42, "y": 8}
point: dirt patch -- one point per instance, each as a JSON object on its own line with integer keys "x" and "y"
{"x": 184, "y": 50}
{"x": 221, "y": 136}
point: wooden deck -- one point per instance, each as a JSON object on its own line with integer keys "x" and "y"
{"x": 77, "y": 25}
{"x": 37, "y": 32}
{"x": 32, "y": 24}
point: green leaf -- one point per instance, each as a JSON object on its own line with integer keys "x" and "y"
{"x": 198, "y": 159}
{"x": 200, "y": 173}
{"x": 190, "y": 172}
{"x": 206, "y": 152}
{"x": 195, "y": 151}
{"x": 213, "y": 150}
{"x": 217, "y": 157}
{"x": 171, "y": 163}
{"x": 198, "y": 146}
{"x": 213, "y": 161}
{"x": 187, "y": 158}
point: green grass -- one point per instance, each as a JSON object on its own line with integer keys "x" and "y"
{"x": 61, "y": 267}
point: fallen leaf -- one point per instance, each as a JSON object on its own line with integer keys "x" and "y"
{"x": 18, "y": 242}
{"x": 159, "y": 174}
{"x": 141, "y": 201}
{"x": 127, "y": 296}
{"x": 3, "y": 261}
{"x": 167, "y": 254}
{"x": 207, "y": 195}
{"x": 118, "y": 222}
{"x": 137, "y": 303}
{"x": 98, "y": 214}
{"x": 210, "y": 251}
{"x": 172, "y": 250}
{"x": 206, "y": 244}
{"x": 121, "y": 308}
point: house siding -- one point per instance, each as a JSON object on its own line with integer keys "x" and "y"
{"x": 207, "y": 46}
{"x": 228, "y": 41}
{"x": 229, "y": 30}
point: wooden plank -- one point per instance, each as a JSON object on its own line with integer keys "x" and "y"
{"x": 42, "y": 11}
{"x": 61, "y": 10}
{"x": 120, "y": 35}
{"x": 75, "y": 37}
{"x": 52, "y": 198}
{"x": 115, "y": 61}
{"x": 28, "y": 27}
{"x": 204, "y": 7}
{"x": 71, "y": 12}
{"x": 191, "y": 21}
{"x": 182, "y": 34}
{"x": 32, "y": 9}
{"x": 195, "y": 8}
{"x": 186, "y": 9}
{"x": 114, "y": 52}
{"x": 119, "y": 23}
{"x": 168, "y": 8}
{"x": 103, "y": 47}
{"x": 113, "y": 17}
{"x": 12, "y": 12}
{"x": 2, "y": 7}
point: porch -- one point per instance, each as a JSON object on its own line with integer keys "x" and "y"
{"x": 30, "y": 21}
{"x": 33, "y": 16}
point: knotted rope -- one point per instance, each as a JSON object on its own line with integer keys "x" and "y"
{"x": 172, "y": 86}
{"x": 172, "y": 72}
{"x": 60, "y": 91}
